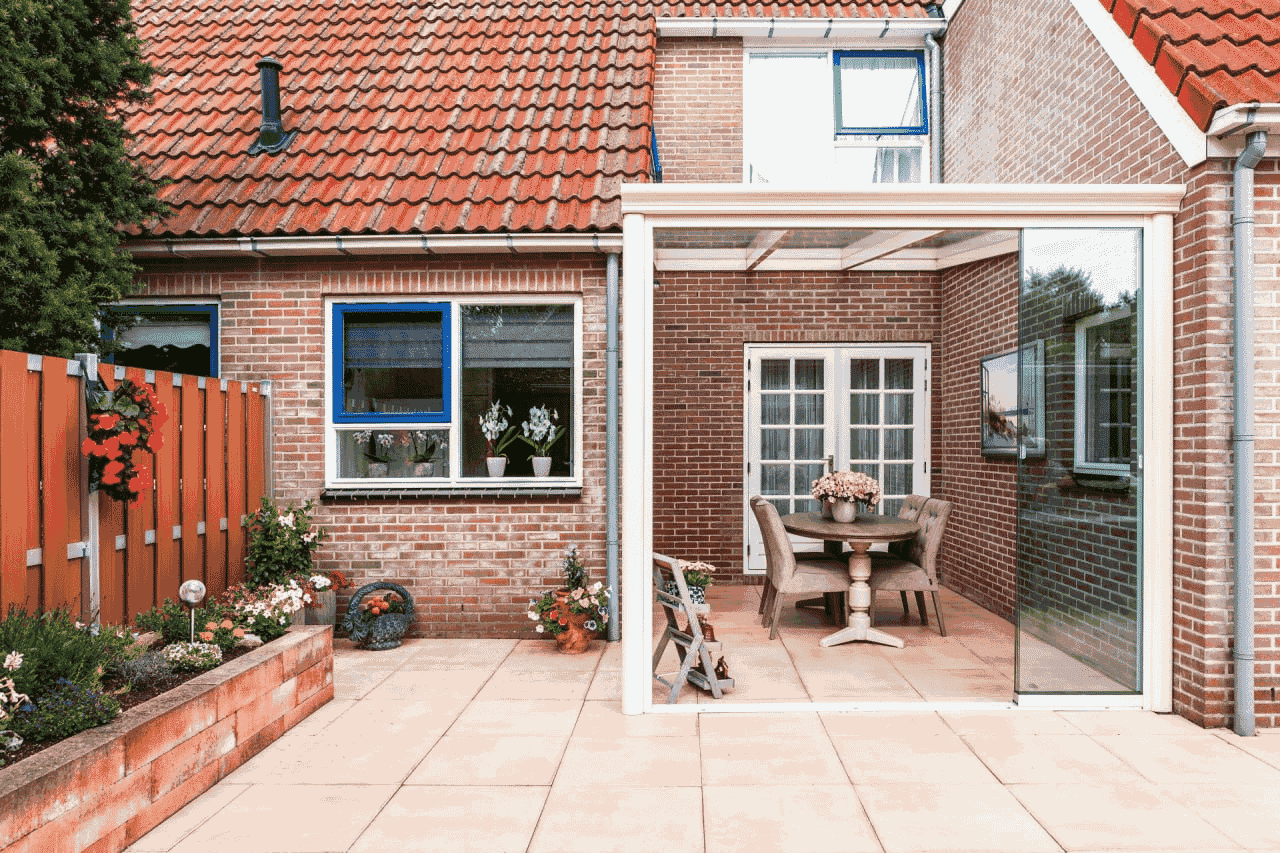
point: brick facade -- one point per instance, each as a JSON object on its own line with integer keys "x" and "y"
{"x": 697, "y": 109}
{"x": 471, "y": 564}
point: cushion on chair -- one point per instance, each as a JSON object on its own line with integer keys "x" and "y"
{"x": 899, "y": 574}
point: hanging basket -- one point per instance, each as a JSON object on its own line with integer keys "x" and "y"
{"x": 384, "y": 631}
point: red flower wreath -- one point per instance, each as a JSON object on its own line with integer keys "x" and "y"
{"x": 122, "y": 422}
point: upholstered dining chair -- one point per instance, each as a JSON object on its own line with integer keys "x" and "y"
{"x": 787, "y": 573}
{"x": 910, "y": 510}
{"x": 916, "y": 570}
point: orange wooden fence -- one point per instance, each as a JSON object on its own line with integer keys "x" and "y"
{"x": 209, "y": 473}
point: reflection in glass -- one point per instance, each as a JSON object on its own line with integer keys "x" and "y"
{"x": 899, "y": 374}
{"x": 393, "y": 361}
{"x": 775, "y": 409}
{"x": 773, "y": 479}
{"x": 809, "y": 374}
{"x": 898, "y": 408}
{"x": 805, "y": 475}
{"x": 809, "y": 409}
{"x": 864, "y": 409}
{"x": 864, "y": 374}
{"x": 774, "y": 444}
{"x": 775, "y": 374}
{"x": 897, "y": 481}
{"x": 864, "y": 443}
{"x": 897, "y": 443}
{"x": 810, "y": 444}
{"x": 374, "y": 453}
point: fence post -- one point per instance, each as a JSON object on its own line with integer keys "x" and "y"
{"x": 90, "y": 584}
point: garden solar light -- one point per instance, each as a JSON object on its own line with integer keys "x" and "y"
{"x": 192, "y": 593}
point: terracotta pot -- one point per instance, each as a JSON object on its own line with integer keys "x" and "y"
{"x": 574, "y": 639}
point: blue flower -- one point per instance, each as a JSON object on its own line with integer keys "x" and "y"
{"x": 590, "y": 625}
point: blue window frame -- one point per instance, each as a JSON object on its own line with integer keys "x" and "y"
{"x": 180, "y": 338}
{"x": 890, "y": 95}
{"x": 391, "y": 362}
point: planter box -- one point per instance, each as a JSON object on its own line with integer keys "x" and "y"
{"x": 107, "y": 787}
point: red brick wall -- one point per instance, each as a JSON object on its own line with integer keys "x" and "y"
{"x": 697, "y": 109}
{"x": 471, "y": 564}
{"x": 701, "y": 322}
{"x": 979, "y": 318}
{"x": 1031, "y": 97}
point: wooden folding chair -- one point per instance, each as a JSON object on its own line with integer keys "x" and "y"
{"x": 691, "y": 646}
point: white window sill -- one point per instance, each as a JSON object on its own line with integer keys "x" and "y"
{"x": 507, "y": 487}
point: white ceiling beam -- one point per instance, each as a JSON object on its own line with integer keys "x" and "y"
{"x": 764, "y": 245}
{"x": 880, "y": 244}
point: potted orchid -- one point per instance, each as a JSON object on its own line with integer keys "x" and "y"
{"x": 377, "y": 450}
{"x": 841, "y": 493}
{"x": 497, "y": 435}
{"x": 541, "y": 432}
{"x": 426, "y": 444}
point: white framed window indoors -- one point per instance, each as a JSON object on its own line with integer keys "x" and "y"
{"x": 1105, "y": 413}
{"x": 838, "y": 116}
{"x": 177, "y": 336}
{"x": 407, "y": 381}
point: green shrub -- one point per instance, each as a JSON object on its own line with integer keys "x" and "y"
{"x": 280, "y": 543}
{"x": 146, "y": 670}
{"x": 64, "y": 710}
{"x": 172, "y": 621}
{"x": 54, "y": 647}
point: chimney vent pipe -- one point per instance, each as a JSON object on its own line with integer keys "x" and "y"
{"x": 271, "y": 136}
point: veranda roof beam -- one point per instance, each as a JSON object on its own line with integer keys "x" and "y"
{"x": 764, "y": 245}
{"x": 880, "y": 244}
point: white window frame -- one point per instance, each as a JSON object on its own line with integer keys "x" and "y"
{"x": 455, "y": 482}
{"x": 1082, "y": 407}
{"x": 846, "y": 140}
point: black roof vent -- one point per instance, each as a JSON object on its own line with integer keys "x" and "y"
{"x": 271, "y": 137}
{"x": 934, "y": 10}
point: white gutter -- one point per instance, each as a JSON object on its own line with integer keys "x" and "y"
{"x": 389, "y": 244}
{"x": 1230, "y": 126}
{"x": 897, "y": 30}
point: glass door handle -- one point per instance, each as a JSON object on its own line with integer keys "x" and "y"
{"x": 831, "y": 462}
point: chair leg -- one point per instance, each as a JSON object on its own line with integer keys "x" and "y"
{"x": 777, "y": 613}
{"x": 766, "y": 605}
{"x": 764, "y": 594}
{"x": 924, "y": 615}
{"x": 937, "y": 610}
{"x": 906, "y": 608}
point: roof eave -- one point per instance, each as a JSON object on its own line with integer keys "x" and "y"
{"x": 1231, "y": 126}
{"x": 887, "y": 30}
{"x": 391, "y": 244}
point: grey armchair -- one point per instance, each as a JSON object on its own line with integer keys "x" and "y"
{"x": 916, "y": 569}
{"x": 787, "y": 574}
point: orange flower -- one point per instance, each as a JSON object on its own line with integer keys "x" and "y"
{"x": 238, "y": 633}
{"x": 227, "y": 623}
{"x": 127, "y": 439}
{"x": 108, "y": 421}
{"x": 206, "y": 636}
{"x": 110, "y": 479}
{"x": 92, "y": 448}
{"x": 112, "y": 445}
{"x": 210, "y": 626}
{"x": 115, "y": 466}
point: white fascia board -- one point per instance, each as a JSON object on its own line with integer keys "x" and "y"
{"x": 1189, "y": 141}
{"x": 899, "y": 30}
{"x": 950, "y": 7}
{"x": 392, "y": 244}
{"x": 1231, "y": 126}
{"x": 895, "y": 205}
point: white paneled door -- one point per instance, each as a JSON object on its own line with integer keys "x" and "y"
{"x": 811, "y": 409}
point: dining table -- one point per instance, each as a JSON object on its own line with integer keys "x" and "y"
{"x": 860, "y": 534}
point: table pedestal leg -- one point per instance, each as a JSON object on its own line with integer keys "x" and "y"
{"x": 860, "y": 605}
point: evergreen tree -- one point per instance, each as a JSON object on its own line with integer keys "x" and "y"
{"x": 67, "y": 186}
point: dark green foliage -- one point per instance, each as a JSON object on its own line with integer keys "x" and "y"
{"x": 172, "y": 621}
{"x": 53, "y": 648}
{"x": 281, "y": 542}
{"x": 66, "y": 183}
{"x": 64, "y": 710}
{"x": 145, "y": 671}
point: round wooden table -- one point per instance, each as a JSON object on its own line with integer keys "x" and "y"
{"x": 860, "y": 534}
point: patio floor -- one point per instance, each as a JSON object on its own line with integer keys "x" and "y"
{"x": 504, "y": 745}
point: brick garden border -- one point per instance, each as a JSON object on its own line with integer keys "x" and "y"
{"x": 104, "y": 788}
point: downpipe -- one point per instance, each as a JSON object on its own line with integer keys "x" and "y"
{"x": 611, "y": 442}
{"x": 935, "y": 104}
{"x": 1242, "y": 435}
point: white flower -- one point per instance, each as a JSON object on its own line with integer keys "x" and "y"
{"x": 12, "y": 661}
{"x": 320, "y": 581}
{"x": 539, "y": 629}
{"x": 287, "y": 520}
{"x": 533, "y": 616}
{"x": 596, "y": 587}
{"x": 309, "y": 536}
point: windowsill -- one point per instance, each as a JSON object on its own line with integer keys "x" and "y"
{"x": 515, "y": 489}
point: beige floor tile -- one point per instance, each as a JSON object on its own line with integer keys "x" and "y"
{"x": 405, "y": 722}
{"x": 1247, "y": 814}
{"x": 1130, "y": 723}
{"x": 877, "y": 725}
{"x": 1190, "y": 759}
{"x": 1008, "y": 722}
{"x": 606, "y": 685}
{"x": 413, "y": 685}
{"x": 326, "y": 760}
{"x": 1120, "y": 816}
{"x": 915, "y": 817}
{"x": 536, "y": 684}
{"x": 321, "y": 717}
{"x": 1021, "y": 758}
{"x": 187, "y": 819}
{"x": 606, "y": 720}
{"x": 620, "y": 820}
{"x": 544, "y": 717}
{"x": 542, "y": 655}
{"x": 770, "y": 760}
{"x": 932, "y": 656}
{"x": 455, "y": 820}
{"x": 938, "y": 758}
{"x": 490, "y": 760}
{"x": 751, "y": 726}
{"x": 1265, "y": 745}
{"x": 633, "y": 762}
{"x": 289, "y": 819}
{"x": 356, "y": 684}
{"x": 611, "y": 657}
{"x": 786, "y": 819}
{"x": 941, "y": 685}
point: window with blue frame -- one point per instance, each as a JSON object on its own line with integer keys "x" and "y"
{"x": 880, "y": 92}
{"x": 399, "y": 410}
{"x": 179, "y": 338}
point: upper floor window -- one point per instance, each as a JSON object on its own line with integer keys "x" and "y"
{"x": 843, "y": 117}
{"x": 179, "y": 338}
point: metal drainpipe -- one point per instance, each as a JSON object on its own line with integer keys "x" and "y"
{"x": 611, "y": 442}
{"x": 1242, "y": 437}
{"x": 935, "y": 104}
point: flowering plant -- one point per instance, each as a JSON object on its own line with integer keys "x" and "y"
{"x": 697, "y": 574}
{"x": 281, "y": 542}
{"x": 426, "y": 445}
{"x": 552, "y": 611}
{"x": 192, "y": 657}
{"x": 10, "y": 701}
{"x": 377, "y": 445}
{"x": 848, "y": 486}
{"x": 266, "y": 611}
{"x": 359, "y": 620}
{"x": 540, "y": 431}
{"x": 497, "y": 435}
{"x": 122, "y": 421}
{"x": 222, "y": 634}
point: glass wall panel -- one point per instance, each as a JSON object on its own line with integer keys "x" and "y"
{"x": 1079, "y": 559}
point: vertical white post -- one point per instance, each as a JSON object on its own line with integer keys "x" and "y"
{"x": 91, "y": 580}
{"x": 636, "y": 550}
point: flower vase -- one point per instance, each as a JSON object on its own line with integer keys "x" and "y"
{"x": 575, "y": 638}
{"x": 844, "y": 511}
{"x": 378, "y": 469}
{"x": 497, "y": 465}
{"x": 541, "y": 466}
{"x": 424, "y": 469}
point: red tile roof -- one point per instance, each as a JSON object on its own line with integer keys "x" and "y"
{"x": 1210, "y": 53}
{"x": 412, "y": 117}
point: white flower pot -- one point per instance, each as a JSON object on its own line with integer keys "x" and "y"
{"x": 497, "y": 465}
{"x": 378, "y": 469}
{"x": 541, "y": 466}
{"x": 844, "y": 511}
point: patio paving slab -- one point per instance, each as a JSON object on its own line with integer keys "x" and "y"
{"x": 915, "y": 817}
{"x": 581, "y": 816}
{"x": 791, "y": 818}
{"x": 421, "y": 819}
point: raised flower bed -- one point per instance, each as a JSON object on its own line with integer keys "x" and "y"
{"x": 106, "y": 787}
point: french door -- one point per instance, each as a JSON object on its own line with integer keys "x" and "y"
{"x": 811, "y": 409}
